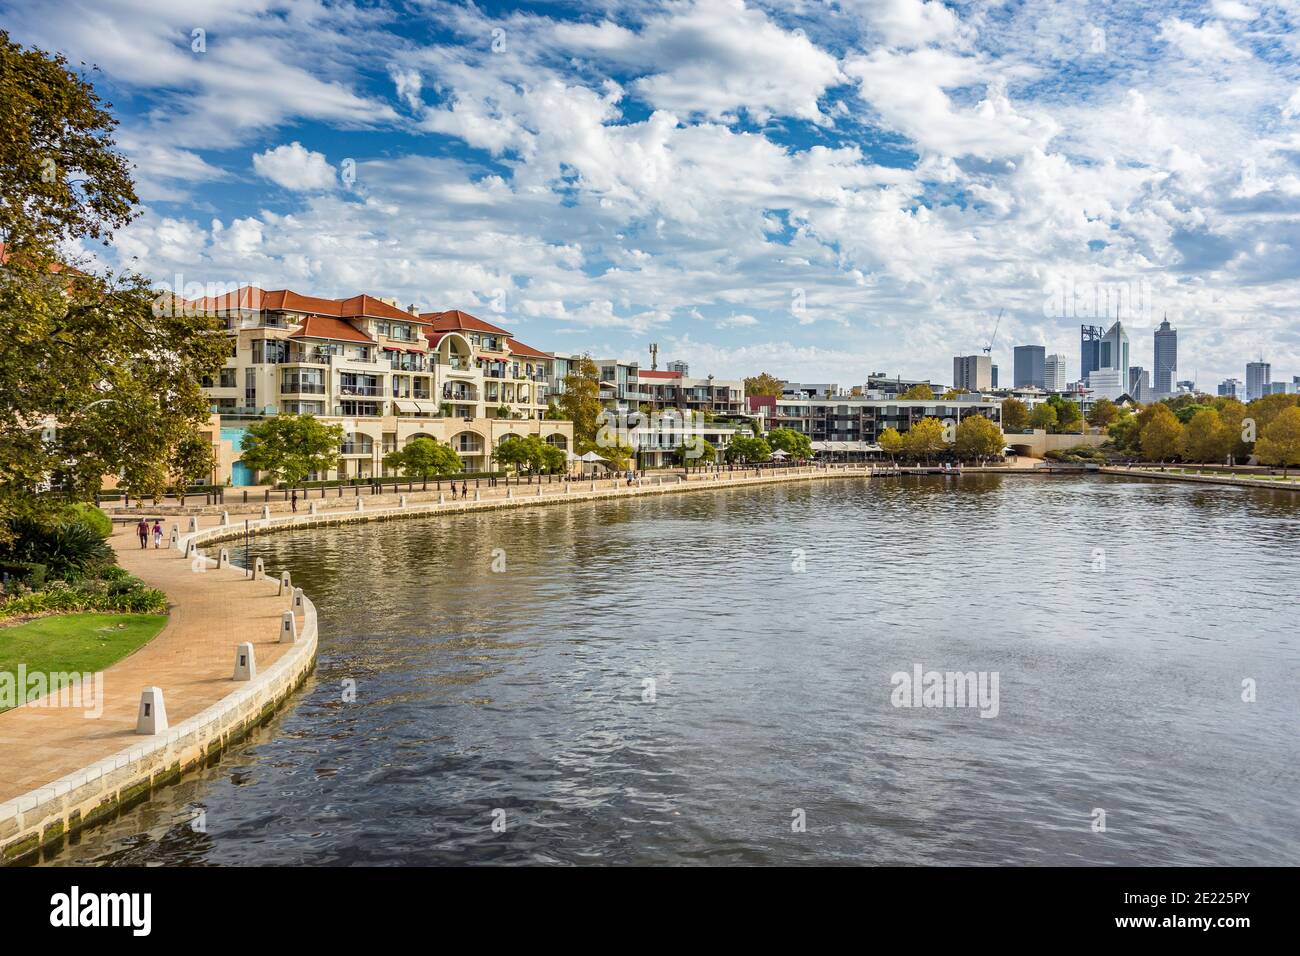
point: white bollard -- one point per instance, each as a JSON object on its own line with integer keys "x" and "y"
{"x": 286, "y": 583}
{"x": 225, "y": 519}
{"x": 442, "y": 499}
{"x": 593, "y": 486}
{"x": 539, "y": 491}
{"x": 401, "y": 502}
{"x": 190, "y": 548}
{"x": 152, "y": 717}
{"x": 311, "y": 507}
{"x": 223, "y": 558}
{"x": 266, "y": 512}
{"x": 259, "y": 570}
{"x": 361, "y": 505}
{"x": 245, "y": 662}
{"x": 567, "y": 488}
{"x": 288, "y": 628}
{"x": 476, "y": 495}
{"x": 176, "y": 537}
{"x": 509, "y": 492}
{"x": 194, "y": 523}
{"x": 297, "y": 599}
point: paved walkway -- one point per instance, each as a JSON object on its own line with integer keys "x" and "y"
{"x": 191, "y": 660}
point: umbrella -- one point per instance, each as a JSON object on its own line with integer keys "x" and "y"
{"x": 591, "y": 456}
{"x": 779, "y": 453}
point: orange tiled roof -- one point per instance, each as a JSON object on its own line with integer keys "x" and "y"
{"x": 251, "y": 298}
{"x": 328, "y": 327}
{"x": 515, "y": 347}
{"x": 456, "y": 320}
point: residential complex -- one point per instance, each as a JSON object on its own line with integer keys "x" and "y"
{"x": 973, "y": 373}
{"x": 386, "y": 374}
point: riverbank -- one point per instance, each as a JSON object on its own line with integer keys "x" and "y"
{"x": 70, "y": 763}
{"x": 1268, "y": 483}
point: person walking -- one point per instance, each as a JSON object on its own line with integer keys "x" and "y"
{"x": 464, "y": 489}
{"x": 157, "y": 533}
{"x": 293, "y": 502}
{"x": 142, "y": 529}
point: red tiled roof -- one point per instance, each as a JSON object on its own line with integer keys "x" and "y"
{"x": 647, "y": 373}
{"x": 251, "y": 298}
{"x": 328, "y": 327}
{"x": 456, "y": 320}
{"x": 515, "y": 347}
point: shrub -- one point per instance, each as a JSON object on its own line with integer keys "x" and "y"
{"x": 27, "y": 573}
{"x": 119, "y": 593}
{"x": 87, "y": 513}
{"x": 68, "y": 549}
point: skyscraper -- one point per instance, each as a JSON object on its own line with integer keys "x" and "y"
{"x": 972, "y": 372}
{"x": 1230, "y": 387}
{"x": 1028, "y": 370}
{"x": 1166, "y": 358}
{"x": 1110, "y": 378}
{"x": 1055, "y": 376}
{"x": 1089, "y": 350}
{"x": 1257, "y": 377}
{"x": 1139, "y": 384}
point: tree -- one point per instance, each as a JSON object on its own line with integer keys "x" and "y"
{"x": 63, "y": 178}
{"x": 95, "y": 379}
{"x": 1206, "y": 438}
{"x": 1123, "y": 435}
{"x": 979, "y": 437}
{"x": 891, "y": 442}
{"x": 1068, "y": 415}
{"x": 763, "y": 384}
{"x": 952, "y": 394}
{"x": 918, "y": 392}
{"x": 619, "y": 455}
{"x": 1233, "y": 415}
{"x": 1279, "y": 442}
{"x": 707, "y": 455}
{"x": 424, "y": 457}
{"x": 1043, "y": 416}
{"x": 580, "y": 403}
{"x": 1264, "y": 410}
{"x": 525, "y": 453}
{"x": 1161, "y": 436}
{"x": 925, "y": 438}
{"x": 1103, "y": 414}
{"x": 746, "y": 448}
{"x": 288, "y": 448}
{"x": 1015, "y": 415}
{"x": 791, "y": 442}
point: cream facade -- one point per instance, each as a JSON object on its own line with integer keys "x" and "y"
{"x": 385, "y": 373}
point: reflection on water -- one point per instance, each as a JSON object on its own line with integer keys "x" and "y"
{"x": 527, "y": 691}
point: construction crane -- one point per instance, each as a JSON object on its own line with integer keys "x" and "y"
{"x": 993, "y": 338}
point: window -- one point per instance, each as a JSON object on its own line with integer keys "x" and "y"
{"x": 250, "y": 387}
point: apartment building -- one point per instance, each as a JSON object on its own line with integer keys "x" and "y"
{"x": 853, "y": 424}
{"x": 387, "y": 374}
{"x": 710, "y": 396}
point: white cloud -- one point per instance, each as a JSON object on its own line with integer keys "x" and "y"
{"x": 1207, "y": 42}
{"x": 295, "y": 167}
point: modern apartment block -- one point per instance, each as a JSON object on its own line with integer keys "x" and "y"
{"x": 1056, "y": 377}
{"x": 1166, "y": 358}
{"x": 1029, "y": 366}
{"x": 1257, "y": 379}
{"x": 854, "y": 424}
{"x": 712, "y": 396}
{"x": 387, "y": 374}
{"x": 974, "y": 373}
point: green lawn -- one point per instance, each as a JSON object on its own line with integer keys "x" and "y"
{"x": 82, "y": 643}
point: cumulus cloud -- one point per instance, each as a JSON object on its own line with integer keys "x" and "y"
{"x": 295, "y": 167}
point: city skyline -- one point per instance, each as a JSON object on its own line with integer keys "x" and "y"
{"x": 866, "y": 186}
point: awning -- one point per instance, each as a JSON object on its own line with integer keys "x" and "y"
{"x": 408, "y": 408}
{"x": 862, "y": 446}
{"x": 427, "y": 408}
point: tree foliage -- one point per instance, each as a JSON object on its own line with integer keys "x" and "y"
{"x": 424, "y": 457}
{"x": 288, "y": 448}
{"x": 1015, "y": 415}
{"x": 529, "y": 453}
{"x": 763, "y": 384}
{"x": 1103, "y": 413}
{"x": 1161, "y": 435}
{"x": 793, "y": 443}
{"x": 918, "y": 392}
{"x": 891, "y": 442}
{"x": 1279, "y": 441}
{"x": 580, "y": 403}
{"x": 1206, "y": 438}
{"x": 750, "y": 449}
{"x": 979, "y": 437}
{"x": 925, "y": 438}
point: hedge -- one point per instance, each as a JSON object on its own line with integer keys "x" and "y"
{"x": 117, "y": 592}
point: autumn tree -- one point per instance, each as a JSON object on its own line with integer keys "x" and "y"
{"x": 1206, "y": 438}
{"x": 1161, "y": 436}
{"x": 918, "y": 392}
{"x": 424, "y": 457}
{"x": 925, "y": 438}
{"x": 580, "y": 403}
{"x": 1015, "y": 415}
{"x": 763, "y": 384}
{"x": 891, "y": 442}
{"x": 1279, "y": 442}
{"x": 978, "y": 437}
{"x": 1043, "y": 416}
{"x": 1103, "y": 413}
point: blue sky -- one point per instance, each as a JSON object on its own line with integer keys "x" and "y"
{"x": 816, "y": 189}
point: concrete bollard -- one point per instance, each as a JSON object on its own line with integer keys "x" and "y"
{"x": 442, "y": 499}
{"x": 245, "y": 662}
{"x": 311, "y": 507}
{"x": 297, "y": 599}
{"x": 152, "y": 716}
{"x": 476, "y": 495}
{"x": 288, "y": 628}
{"x": 223, "y": 558}
{"x": 225, "y": 519}
{"x": 194, "y": 523}
{"x": 266, "y": 512}
{"x": 286, "y": 583}
{"x": 401, "y": 501}
{"x": 539, "y": 491}
{"x": 259, "y": 569}
{"x": 567, "y": 487}
{"x": 510, "y": 492}
{"x": 176, "y": 537}
{"x": 361, "y": 505}
{"x": 593, "y": 486}
{"x": 190, "y": 548}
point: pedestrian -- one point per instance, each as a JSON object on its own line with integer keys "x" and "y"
{"x": 157, "y": 533}
{"x": 453, "y": 491}
{"x": 293, "y": 502}
{"x": 464, "y": 489}
{"x": 142, "y": 529}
